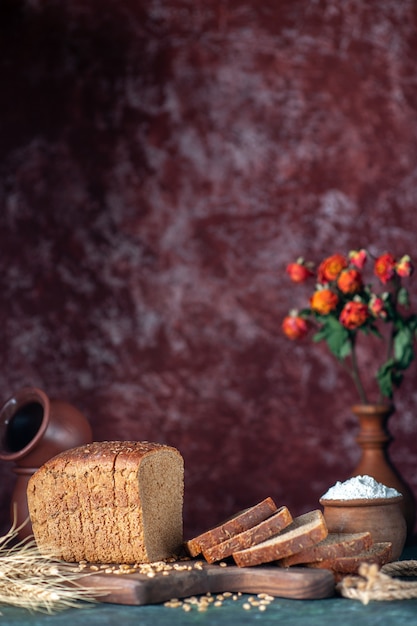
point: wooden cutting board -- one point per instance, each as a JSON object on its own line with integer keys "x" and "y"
{"x": 138, "y": 589}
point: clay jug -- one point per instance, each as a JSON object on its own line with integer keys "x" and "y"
{"x": 33, "y": 429}
{"x": 373, "y": 440}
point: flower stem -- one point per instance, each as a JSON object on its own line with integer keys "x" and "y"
{"x": 390, "y": 346}
{"x": 355, "y": 375}
{"x": 390, "y": 342}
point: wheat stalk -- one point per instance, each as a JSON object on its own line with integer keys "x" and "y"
{"x": 36, "y": 581}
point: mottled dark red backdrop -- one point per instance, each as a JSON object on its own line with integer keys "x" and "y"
{"x": 160, "y": 163}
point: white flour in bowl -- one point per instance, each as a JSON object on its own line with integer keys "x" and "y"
{"x": 359, "y": 488}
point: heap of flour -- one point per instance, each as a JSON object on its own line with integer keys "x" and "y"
{"x": 359, "y": 488}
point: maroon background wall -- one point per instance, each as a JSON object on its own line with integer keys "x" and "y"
{"x": 160, "y": 163}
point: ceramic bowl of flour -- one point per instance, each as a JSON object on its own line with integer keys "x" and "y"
{"x": 362, "y": 504}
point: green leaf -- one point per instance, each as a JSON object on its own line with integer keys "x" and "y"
{"x": 388, "y": 377}
{"x": 339, "y": 344}
{"x": 403, "y": 297}
{"x": 320, "y": 335}
{"x": 345, "y": 349}
{"x": 412, "y": 323}
{"x": 403, "y": 347}
{"x": 384, "y": 378}
{"x": 389, "y": 307}
{"x": 336, "y": 336}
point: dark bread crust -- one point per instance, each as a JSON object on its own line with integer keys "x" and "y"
{"x": 233, "y": 526}
{"x": 333, "y": 546}
{"x": 104, "y": 451}
{"x": 306, "y": 530}
{"x": 262, "y": 531}
{"x": 380, "y": 553}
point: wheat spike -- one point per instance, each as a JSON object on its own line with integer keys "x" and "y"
{"x": 35, "y": 581}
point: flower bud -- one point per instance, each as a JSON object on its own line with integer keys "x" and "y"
{"x": 294, "y": 327}
{"x": 358, "y": 258}
{"x": 404, "y": 267}
{"x": 299, "y": 271}
{"x": 377, "y": 307}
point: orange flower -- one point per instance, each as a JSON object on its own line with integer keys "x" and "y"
{"x": 299, "y": 272}
{"x": 404, "y": 267}
{"x": 330, "y": 268}
{"x": 294, "y": 327}
{"x": 343, "y": 305}
{"x": 358, "y": 258}
{"x": 323, "y": 301}
{"x": 384, "y": 267}
{"x": 350, "y": 281}
{"x": 354, "y": 314}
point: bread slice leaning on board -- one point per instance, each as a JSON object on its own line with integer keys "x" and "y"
{"x": 335, "y": 545}
{"x": 304, "y": 531}
{"x": 262, "y": 531}
{"x": 231, "y": 527}
{"x": 379, "y": 553}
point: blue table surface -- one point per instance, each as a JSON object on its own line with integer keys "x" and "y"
{"x": 289, "y": 612}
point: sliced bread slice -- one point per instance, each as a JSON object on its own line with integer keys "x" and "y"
{"x": 262, "y": 531}
{"x": 305, "y": 530}
{"x": 379, "y": 553}
{"x": 335, "y": 545}
{"x": 233, "y": 526}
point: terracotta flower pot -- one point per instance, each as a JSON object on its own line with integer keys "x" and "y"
{"x": 33, "y": 429}
{"x": 373, "y": 440}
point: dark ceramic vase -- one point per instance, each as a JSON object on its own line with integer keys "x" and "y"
{"x": 374, "y": 439}
{"x": 33, "y": 429}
